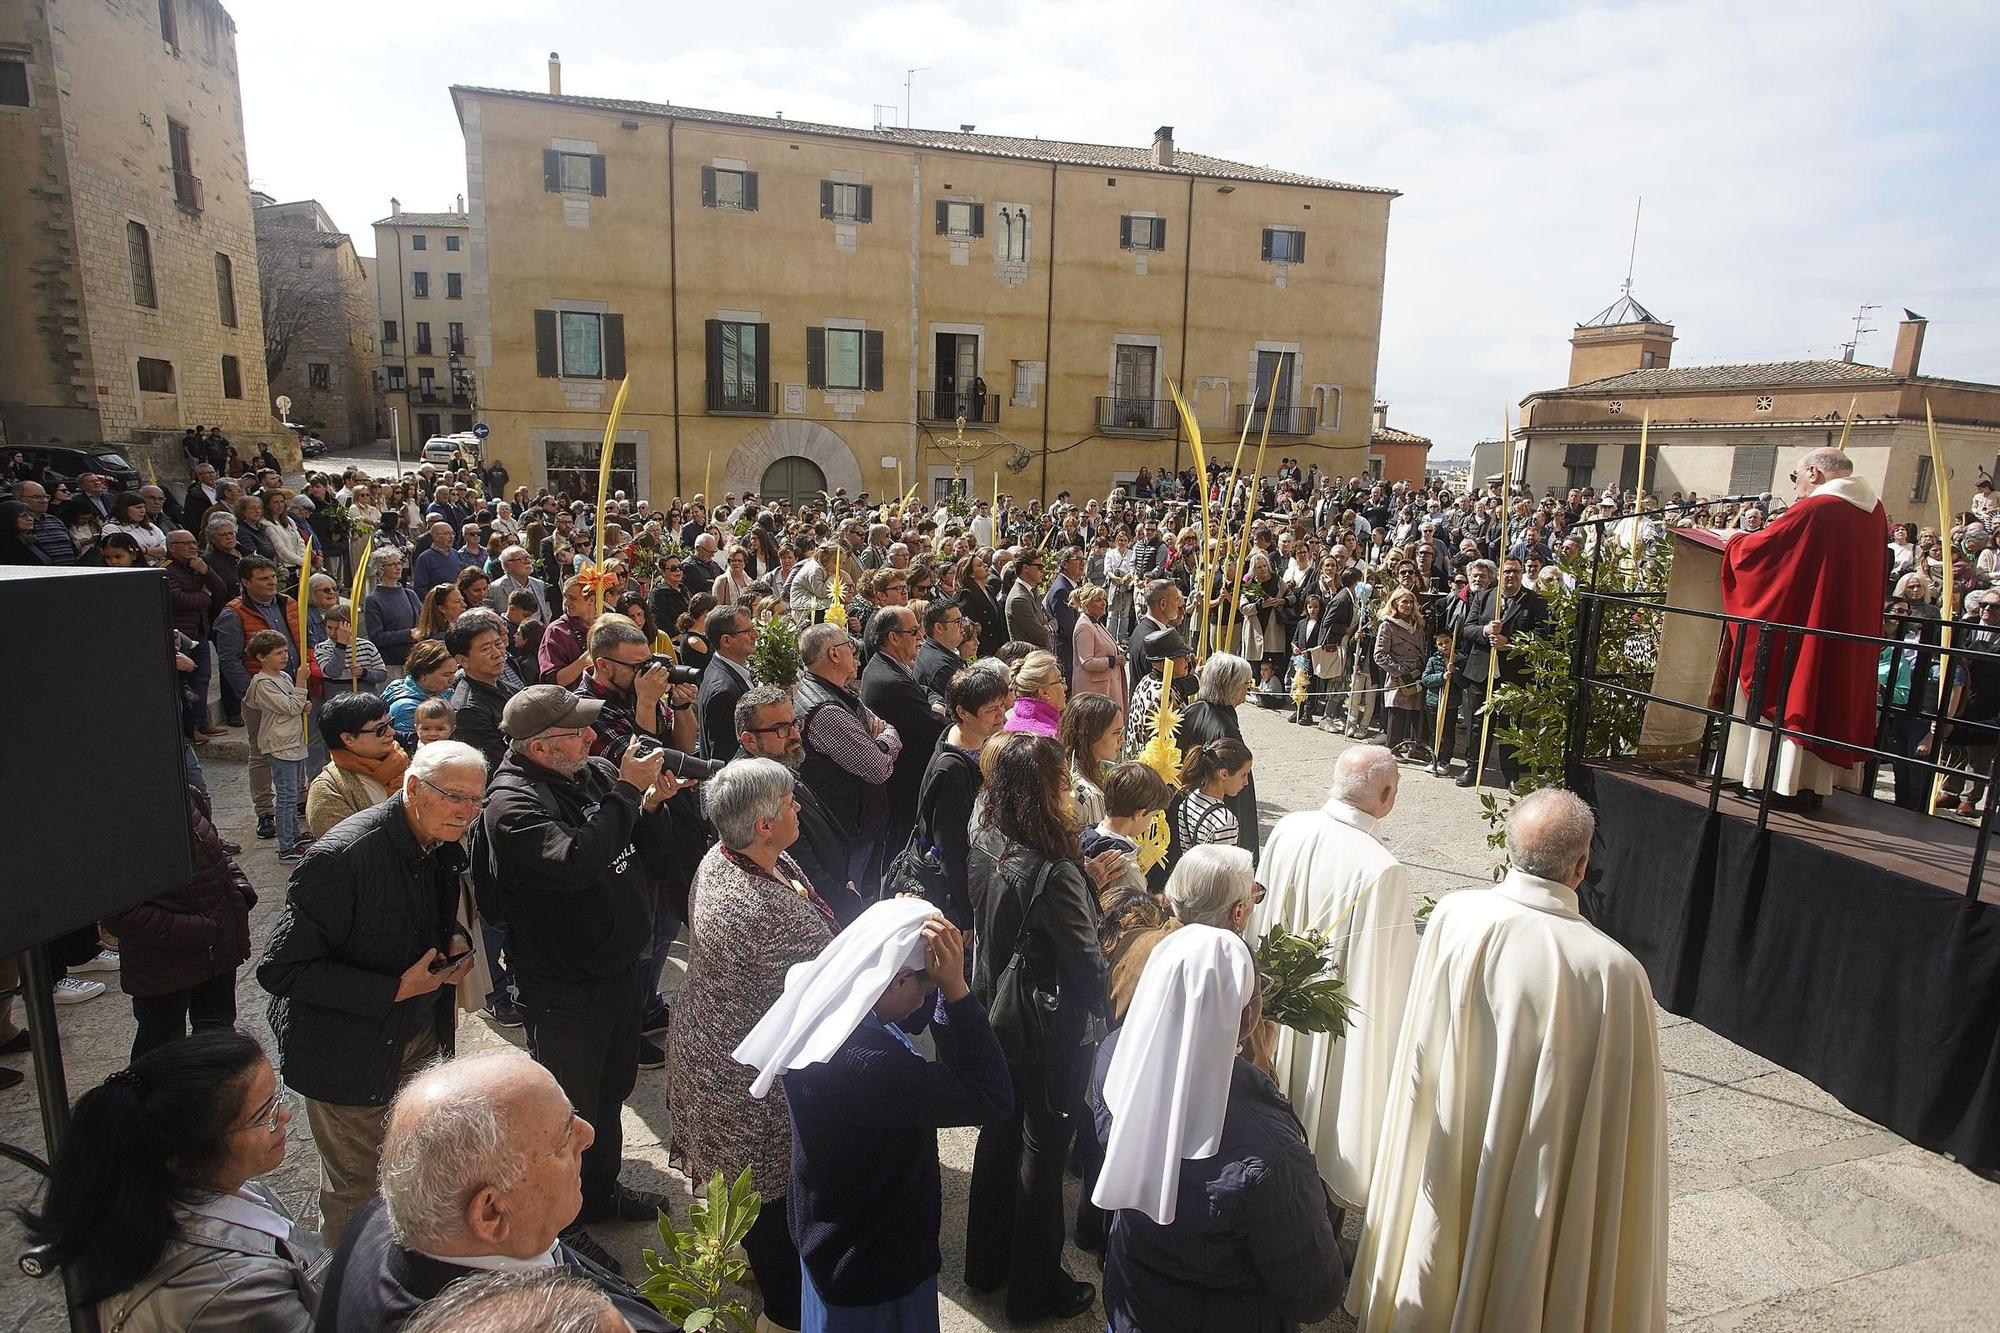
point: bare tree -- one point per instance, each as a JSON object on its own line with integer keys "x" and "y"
{"x": 304, "y": 297}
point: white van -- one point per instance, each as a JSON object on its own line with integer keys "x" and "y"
{"x": 441, "y": 448}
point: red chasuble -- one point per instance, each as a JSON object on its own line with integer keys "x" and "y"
{"x": 1823, "y": 564}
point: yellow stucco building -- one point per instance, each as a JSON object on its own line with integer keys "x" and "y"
{"x": 422, "y": 272}
{"x": 806, "y": 306}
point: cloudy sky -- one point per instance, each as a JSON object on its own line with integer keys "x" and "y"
{"x": 1797, "y": 160}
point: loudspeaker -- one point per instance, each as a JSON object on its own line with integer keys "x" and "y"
{"x": 93, "y": 794}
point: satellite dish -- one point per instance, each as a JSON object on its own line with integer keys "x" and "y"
{"x": 284, "y": 404}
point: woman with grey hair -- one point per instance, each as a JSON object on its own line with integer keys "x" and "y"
{"x": 752, "y": 915}
{"x": 1225, "y": 684}
{"x": 389, "y": 613}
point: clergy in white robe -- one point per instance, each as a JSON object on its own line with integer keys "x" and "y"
{"x": 1522, "y": 1177}
{"x": 1327, "y": 870}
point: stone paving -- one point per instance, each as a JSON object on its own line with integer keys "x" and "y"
{"x": 1789, "y": 1212}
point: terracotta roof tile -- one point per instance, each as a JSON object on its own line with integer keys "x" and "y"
{"x": 1757, "y": 375}
{"x": 427, "y": 220}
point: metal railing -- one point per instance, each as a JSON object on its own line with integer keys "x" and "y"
{"x": 1137, "y": 416}
{"x": 736, "y": 398}
{"x": 944, "y": 408}
{"x": 187, "y": 190}
{"x": 1284, "y": 420}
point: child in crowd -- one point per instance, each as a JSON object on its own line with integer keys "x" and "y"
{"x": 1435, "y": 672}
{"x": 435, "y": 721}
{"x": 347, "y": 662}
{"x": 1271, "y": 689}
{"x": 428, "y": 675}
{"x": 281, "y": 705}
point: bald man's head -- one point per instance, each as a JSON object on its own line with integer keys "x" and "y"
{"x": 1366, "y": 777}
{"x": 1548, "y": 835}
{"x": 1821, "y": 466}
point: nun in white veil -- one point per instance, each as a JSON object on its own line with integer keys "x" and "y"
{"x": 1220, "y": 1221}
{"x": 864, "y": 1200}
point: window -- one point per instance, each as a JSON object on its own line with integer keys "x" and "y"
{"x": 1011, "y": 246}
{"x": 1920, "y": 488}
{"x": 582, "y": 346}
{"x": 1284, "y": 245}
{"x": 846, "y": 203}
{"x": 419, "y": 241}
{"x": 423, "y": 337}
{"x": 572, "y": 173}
{"x": 960, "y": 219}
{"x": 1752, "y": 467}
{"x": 139, "y": 253}
{"x": 420, "y": 283}
{"x": 232, "y": 378}
{"x": 843, "y": 359}
{"x": 724, "y": 187}
{"x": 13, "y": 83}
{"x": 1136, "y": 233}
{"x": 187, "y": 187}
{"x": 573, "y": 344}
{"x": 319, "y": 375}
{"x": 462, "y": 421}
{"x": 451, "y": 243}
{"x": 1579, "y": 463}
{"x": 454, "y": 338}
{"x": 388, "y": 331}
{"x": 397, "y": 382}
{"x": 739, "y": 366}
{"x": 1763, "y": 402}
{"x": 454, "y": 286}
{"x": 427, "y": 385}
{"x": 1647, "y": 360}
{"x": 170, "y": 31}
{"x": 225, "y": 289}
{"x": 155, "y": 376}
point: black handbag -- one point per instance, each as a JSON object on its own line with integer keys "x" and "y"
{"x": 1023, "y": 1010}
{"x": 919, "y": 868}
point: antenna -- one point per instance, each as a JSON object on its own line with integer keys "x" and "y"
{"x": 1633, "y": 258}
{"x": 909, "y": 79}
{"x": 885, "y": 116}
{"x": 1847, "y": 349}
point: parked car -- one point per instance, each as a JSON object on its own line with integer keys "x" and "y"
{"x": 443, "y": 448}
{"x": 67, "y": 462}
{"x": 311, "y": 446}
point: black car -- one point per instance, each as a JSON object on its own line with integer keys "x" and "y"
{"x": 67, "y": 462}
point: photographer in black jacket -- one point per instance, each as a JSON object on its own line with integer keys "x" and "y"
{"x": 570, "y": 847}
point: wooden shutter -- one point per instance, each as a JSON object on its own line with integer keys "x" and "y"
{"x": 551, "y": 170}
{"x": 597, "y": 173}
{"x": 763, "y": 367}
{"x": 1125, "y": 233}
{"x": 712, "y": 334}
{"x": 864, "y": 203}
{"x": 1267, "y": 243}
{"x": 750, "y": 192}
{"x": 943, "y": 217}
{"x": 1160, "y": 234}
{"x": 614, "y": 347}
{"x": 826, "y": 199}
{"x": 708, "y": 187}
{"x": 815, "y": 358}
{"x": 1298, "y": 247}
{"x": 979, "y": 219}
{"x": 871, "y": 359}
{"x": 546, "y": 364}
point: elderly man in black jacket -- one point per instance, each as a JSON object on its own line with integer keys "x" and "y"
{"x": 457, "y": 1200}
{"x": 892, "y": 692}
{"x": 768, "y": 727}
{"x": 570, "y": 848}
{"x": 357, "y": 1007}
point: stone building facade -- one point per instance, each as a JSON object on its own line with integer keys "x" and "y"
{"x": 804, "y": 306}
{"x": 319, "y": 321}
{"x": 128, "y": 261}
{"x": 422, "y": 274}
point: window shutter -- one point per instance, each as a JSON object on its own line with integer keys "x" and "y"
{"x": 1125, "y": 233}
{"x": 551, "y": 170}
{"x": 712, "y": 333}
{"x": 943, "y": 217}
{"x": 871, "y": 359}
{"x": 815, "y": 358}
{"x": 597, "y": 173}
{"x": 826, "y": 199}
{"x": 1159, "y": 234}
{"x": 614, "y": 347}
{"x": 1267, "y": 243}
{"x": 708, "y": 187}
{"x": 864, "y": 203}
{"x": 1298, "y": 247}
{"x": 979, "y": 219}
{"x": 750, "y": 192}
{"x": 546, "y": 365}
{"x": 763, "y": 367}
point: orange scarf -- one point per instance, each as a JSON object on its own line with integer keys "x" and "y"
{"x": 386, "y": 771}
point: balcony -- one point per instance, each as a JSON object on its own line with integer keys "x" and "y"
{"x": 426, "y": 393}
{"x": 943, "y": 409}
{"x": 1284, "y": 420}
{"x": 187, "y": 191}
{"x": 1137, "y": 416}
{"x": 728, "y": 398}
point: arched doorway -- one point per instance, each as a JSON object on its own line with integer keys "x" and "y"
{"x": 786, "y": 438}
{"x": 792, "y": 478}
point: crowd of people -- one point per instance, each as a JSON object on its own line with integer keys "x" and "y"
{"x": 930, "y": 875}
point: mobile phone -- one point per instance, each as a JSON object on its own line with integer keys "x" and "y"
{"x": 443, "y": 964}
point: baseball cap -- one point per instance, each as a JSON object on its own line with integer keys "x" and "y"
{"x": 538, "y": 708}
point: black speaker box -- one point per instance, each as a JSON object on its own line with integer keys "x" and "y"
{"x": 93, "y": 796}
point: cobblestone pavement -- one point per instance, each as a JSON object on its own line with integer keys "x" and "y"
{"x": 1789, "y": 1211}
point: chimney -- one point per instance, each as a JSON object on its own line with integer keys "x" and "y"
{"x": 1163, "y": 145}
{"x": 555, "y": 74}
{"x": 1909, "y": 344}
{"x": 395, "y": 207}
{"x": 1381, "y": 415}
{"x": 458, "y": 203}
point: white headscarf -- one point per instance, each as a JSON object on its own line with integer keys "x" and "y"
{"x": 826, "y": 999}
{"x": 1168, "y": 1085}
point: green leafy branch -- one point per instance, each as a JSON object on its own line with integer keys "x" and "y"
{"x": 687, "y": 1280}
{"x": 1302, "y": 988}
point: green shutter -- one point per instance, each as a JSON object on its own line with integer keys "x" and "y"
{"x": 614, "y": 347}
{"x": 763, "y": 367}
{"x": 750, "y": 192}
{"x": 943, "y": 217}
{"x": 815, "y": 358}
{"x": 546, "y": 364}
{"x": 1125, "y": 233}
{"x": 826, "y": 199}
{"x": 979, "y": 219}
{"x": 864, "y": 204}
{"x": 597, "y": 173}
{"x": 708, "y": 188}
{"x": 871, "y": 359}
{"x": 551, "y": 170}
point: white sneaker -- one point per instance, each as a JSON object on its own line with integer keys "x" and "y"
{"x": 74, "y": 990}
{"x": 106, "y": 961}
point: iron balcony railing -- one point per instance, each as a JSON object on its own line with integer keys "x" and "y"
{"x": 187, "y": 190}
{"x": 1136, "y": 416}
{"x": 1284, "y": 420}
{"x": 740, "y": 398}
{"x": 942, "y": 408}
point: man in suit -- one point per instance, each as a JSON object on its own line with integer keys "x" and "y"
{"x": 1164, "y": 605}
{"x": 890, "y": 690}
{"x": 1055, "y": 606}
{"x": 733, "y": 635}
{"x": 1497, "y": 623}
{"x": 517, "y": 575}
{"x": 938, "y": 659}
{"x": 1025, "y": 621}
{"x": 205, "y": 492}
{"x": 443, "y": 1212}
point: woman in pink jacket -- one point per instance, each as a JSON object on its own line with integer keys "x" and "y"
{"x": 1039, "y": 695}
{"x": 1099, "y": 665}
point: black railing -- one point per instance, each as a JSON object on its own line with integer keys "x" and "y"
{"x": 977, "y": 409}
{"x": 737, "y": 398}
{"x": 1284, "y": 420}
{"x": 425, "y": 395}
{"x": 1136, "y": 416}
{"x": 187, "y": 190}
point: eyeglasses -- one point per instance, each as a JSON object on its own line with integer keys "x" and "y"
{"x": 281, "y": 1102}
{"x": 777, "y": 728}
{"x": 381, "y": 728}
{"x": 458, "y": 797}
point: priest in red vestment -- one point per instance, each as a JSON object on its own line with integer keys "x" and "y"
{"x": 1823, "y": 564}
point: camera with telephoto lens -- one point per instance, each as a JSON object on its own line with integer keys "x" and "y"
{"x": 684, "y": 766}
{"x": 676, "y": 673}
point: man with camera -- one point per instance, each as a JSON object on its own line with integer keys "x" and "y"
{"x": 568, "y": 854}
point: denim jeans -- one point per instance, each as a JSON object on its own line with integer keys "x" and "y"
{"x": 287, "y": 778}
